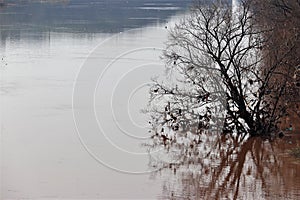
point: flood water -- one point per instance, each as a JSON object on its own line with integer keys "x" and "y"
{"x": 74, "y": 78}
{"x": 229, "y": 169}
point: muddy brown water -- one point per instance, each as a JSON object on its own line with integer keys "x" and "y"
{"x": 41, "y": 154}
{"x": 256, "y": 169}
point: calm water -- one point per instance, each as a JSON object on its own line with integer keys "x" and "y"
{"x": 74, "y": 77}
{"x": 228, "y": 169}
{"x": 49, "y": 49}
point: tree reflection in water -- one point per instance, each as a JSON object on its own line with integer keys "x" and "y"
{"x": 225, "y": 167}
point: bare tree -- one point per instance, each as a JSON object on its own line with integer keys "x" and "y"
{"x": 216, "y": 65}
{"x": 226, "y": 69}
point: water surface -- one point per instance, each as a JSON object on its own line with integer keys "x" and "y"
{"x": 44, "y": 45}
{"x": 254, "y": 169}
{"x": 74, "y": 76}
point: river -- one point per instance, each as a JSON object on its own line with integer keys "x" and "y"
{"x": 74, "y": 78}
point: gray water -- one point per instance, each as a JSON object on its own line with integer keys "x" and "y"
{"x": 74, "y": 77}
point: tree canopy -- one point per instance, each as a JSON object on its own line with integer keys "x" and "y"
{"x": 227, "y": 68}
